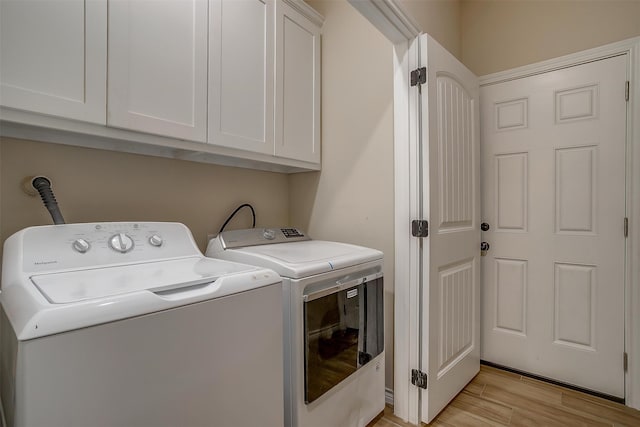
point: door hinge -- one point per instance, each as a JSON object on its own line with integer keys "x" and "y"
{"x": 626, "y": 227}
{"x": 419, "y": 378}
{"x": 626, "y": 90}
{"x": 625, "y": 361}
{"x": 419, "y": 228}
{"x": 419, "y": 76}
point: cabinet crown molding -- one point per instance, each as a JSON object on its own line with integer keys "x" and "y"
{"x": 306, "y": 10}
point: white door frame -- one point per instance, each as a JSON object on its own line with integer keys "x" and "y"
{"x": 401, "y": 30}
{"x": 393, "y": 22}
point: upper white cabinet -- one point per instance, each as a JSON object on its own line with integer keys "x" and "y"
{"x": 241, "y": 74}
{"x": 158, "y": 67}
{"x": 165, "y": 76}
{"x": 264, "y": 77}
{"x": 297, "y": 130}
{"x": 53, "y": 57}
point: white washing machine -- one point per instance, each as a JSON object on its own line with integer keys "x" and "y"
{"x": 334, "y": 325}
{"x": 127, "y": 324}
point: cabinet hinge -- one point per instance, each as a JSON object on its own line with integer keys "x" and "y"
{"x": 419, "y": 228}
{"x": 419, "y": 76}
{"x": 626, "y": 227}
{"x": 625, "y": 361}
{"x": 419, "y": 378}
{"x": 626, "y": 90}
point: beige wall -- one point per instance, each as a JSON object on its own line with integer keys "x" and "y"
{"x": 503, "y": 34}
{"x": 440, "y": 19}
{"x": 351, "y": 200}
{"x": 96, "y": 185}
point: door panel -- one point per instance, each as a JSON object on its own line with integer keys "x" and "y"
{"x": 451, "y": 313}
{"x": 241, "y": 52}
{"x": 297, "y": 93}
{"x": 554, "y": 195}
{"x": 54, "y": 58}
{"x": 158, "y": 67}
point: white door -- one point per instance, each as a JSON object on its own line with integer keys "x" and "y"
{"x": 53, "y": 57}
{"x": 554, "y": 197}
{"x": 241, "y": 74}
{"x": 297, "y": 127}
{"x": 158, "y": 67}
{"x": 450, "y": 351}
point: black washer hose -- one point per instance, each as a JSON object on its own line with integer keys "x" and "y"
{"x": 43, "y": 185}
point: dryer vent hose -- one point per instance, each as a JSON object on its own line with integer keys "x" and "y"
{"x": 43, "y": 185}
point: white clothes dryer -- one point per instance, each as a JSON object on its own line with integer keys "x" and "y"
{"x": 128, "y": 324}
{"x": 333, "y": 322}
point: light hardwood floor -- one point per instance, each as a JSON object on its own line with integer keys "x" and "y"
{"x": 500, "y": 398}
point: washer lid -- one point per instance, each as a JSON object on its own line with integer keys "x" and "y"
{"x": 48, "y": 304}
{"x": 302, "y": 259}
{"x": 79, "y": 285}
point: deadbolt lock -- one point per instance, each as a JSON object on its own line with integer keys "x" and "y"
{"x": 484, "y": 248}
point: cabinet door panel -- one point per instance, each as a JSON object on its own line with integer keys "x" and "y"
{"x": 53, "y": 57}
{"x": 158, "y": 67}
{"x": 297, "y": 86}
{"x": 241, "y": 74}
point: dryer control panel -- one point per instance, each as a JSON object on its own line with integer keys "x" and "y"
{"x": 68, "y": 246}
{"x": 260, "y": 236}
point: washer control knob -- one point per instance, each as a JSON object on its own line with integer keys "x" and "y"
{"x": 81, "y": 245}
{"x": 121, "y": 243}
{"x": 155, "y": 240}
{"x": 269, "y": 234}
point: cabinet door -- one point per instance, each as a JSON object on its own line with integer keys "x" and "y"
{"x": 158, "y": 67}
{"x": 297, "y": 86}
{"x": 241, "y": 74}
{"x": 53, "y": 57}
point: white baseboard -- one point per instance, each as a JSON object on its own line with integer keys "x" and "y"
{"x": 388, "y": 396}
